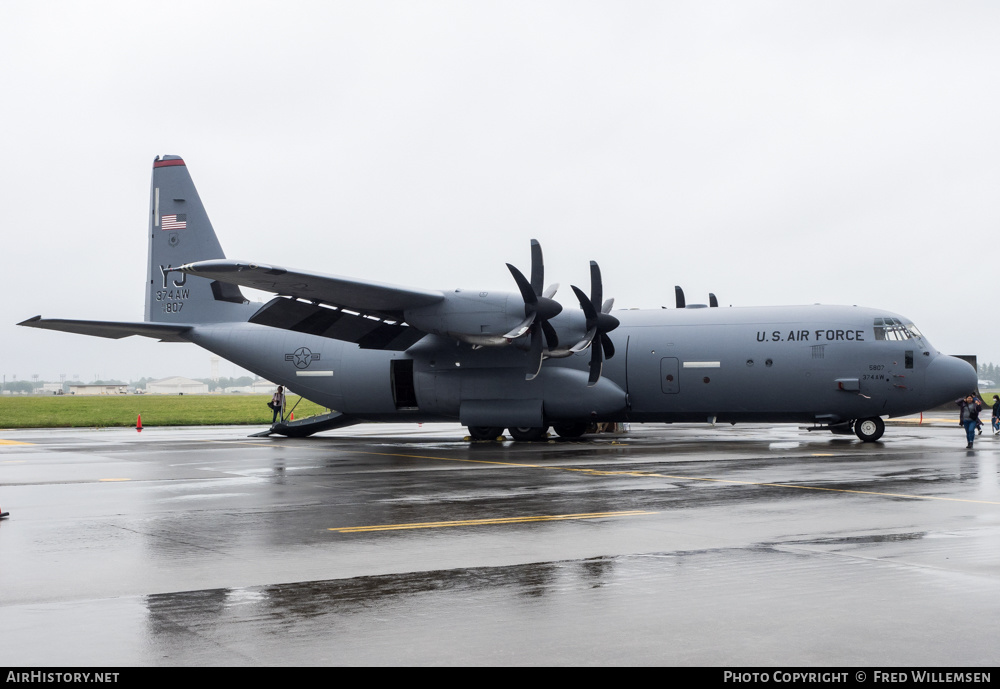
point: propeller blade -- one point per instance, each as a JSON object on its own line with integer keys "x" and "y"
{"x": 588, "y": 307}
{"x": 596, "y": 364}
{"x": 551, "y": 339}
{"x": 534, "y": 355}
{"x": 596, "y": 285}
{"x": 520, "y": 329}
{"x": 608, "y": 346}
{"x": 529, "y": 296}
{"x": 551, "y": 291}
{"x": 712, "y": 301}
{"x": 537, "y": 268}
{"x": 585, "y": 342}
{"x": 679, "y": 295}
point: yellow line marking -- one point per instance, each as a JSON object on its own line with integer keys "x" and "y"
{"x": 13, "y": 442}
{"x": 487, "y": 522}
{"x": 836, "y": 490}
{"x": 112, "y": 479}
{"x": 457, "y": 459}
{"x": 521, "y": 465}
{"x": 926, "y": 420}
{"x": 596, "y": 472}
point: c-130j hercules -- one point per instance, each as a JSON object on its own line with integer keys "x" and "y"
{"x": 518, "y": 360}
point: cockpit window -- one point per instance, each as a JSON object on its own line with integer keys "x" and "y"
{"x": 894, "y": 329}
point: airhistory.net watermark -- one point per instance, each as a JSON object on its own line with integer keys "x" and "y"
{"x": 37, "y": 676}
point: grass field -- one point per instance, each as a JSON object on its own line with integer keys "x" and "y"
{"x": 156, "y": 410}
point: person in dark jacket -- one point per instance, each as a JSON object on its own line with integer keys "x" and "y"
{"x": 277, "y": 405}
{"x": 969, "y": 416}
{"x": 996, "y": 414}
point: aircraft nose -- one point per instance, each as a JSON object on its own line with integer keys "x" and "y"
{"x": 949, "y": 378}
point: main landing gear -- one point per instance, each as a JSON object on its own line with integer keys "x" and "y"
{"x": 485, "y": 432}
{"x": 524, "y": 434}
{"x": 530, "y": 433}
{"x": 869, "y": 430}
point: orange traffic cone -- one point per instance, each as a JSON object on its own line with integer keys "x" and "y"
{"x": 291, "y": 417}
{"x": 138, "y": 424}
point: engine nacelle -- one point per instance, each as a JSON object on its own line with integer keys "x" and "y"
{"x": 478, "y": 318}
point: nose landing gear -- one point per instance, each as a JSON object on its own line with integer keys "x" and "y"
{"x": 869, "y": 430}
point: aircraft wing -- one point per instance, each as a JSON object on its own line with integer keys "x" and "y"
{"x": 164, "y": 332}
{"x": 363, "y": 296}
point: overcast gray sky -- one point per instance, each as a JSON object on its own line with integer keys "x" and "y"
{"x": 770, "y": 152}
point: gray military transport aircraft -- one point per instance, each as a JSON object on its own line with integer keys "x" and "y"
{"x": 518, "y": 360}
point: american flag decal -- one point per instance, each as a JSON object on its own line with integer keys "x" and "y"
{"x": 173, "y": 222}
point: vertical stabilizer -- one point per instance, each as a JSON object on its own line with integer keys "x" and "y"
{"x": 180, "y": 232}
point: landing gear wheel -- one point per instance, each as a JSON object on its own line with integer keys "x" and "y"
{"x": 869, "y": 430}
{"x": 484, "y": 432}
{"x": 529, "y": 433}
{"x": 570, "y": 430}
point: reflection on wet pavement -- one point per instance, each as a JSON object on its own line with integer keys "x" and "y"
{"x": 741, "y": 546}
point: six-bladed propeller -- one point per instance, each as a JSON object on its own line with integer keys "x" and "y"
{"x": 599, "y": 323}
{"x": 539, "y": 307}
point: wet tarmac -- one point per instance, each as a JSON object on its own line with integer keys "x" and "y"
{"x": 385, "y": 545}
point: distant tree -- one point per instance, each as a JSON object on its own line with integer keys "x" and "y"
{"x": 223, "y": 383}
{"x": 989, "y": 371}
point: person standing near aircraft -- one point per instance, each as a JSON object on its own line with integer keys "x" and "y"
{"x": 969, "y": 416}
{"x": 277, "y": 405}
{"x": 996, "y": 415}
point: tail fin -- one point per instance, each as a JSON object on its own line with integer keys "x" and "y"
{"x": 180, "y": 232}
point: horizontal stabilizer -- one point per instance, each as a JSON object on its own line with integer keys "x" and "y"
{"x": 164, "y": 332}
{"x": 365, "y": 331}
{"x": 359, "y": 295}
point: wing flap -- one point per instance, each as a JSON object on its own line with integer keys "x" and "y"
{"x": 367, "y": 332}
{"x": 360, "y": 295}
{"x": 164, "y": 332}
